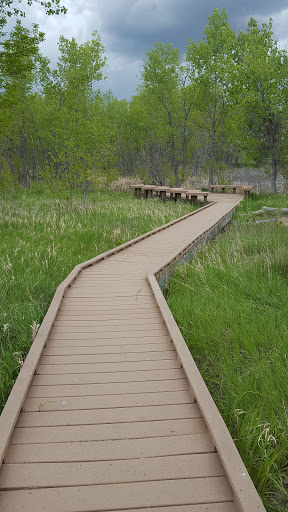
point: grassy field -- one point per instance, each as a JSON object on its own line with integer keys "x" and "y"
{"x": 42, "y": 240}
{"x": 230, "y": 303}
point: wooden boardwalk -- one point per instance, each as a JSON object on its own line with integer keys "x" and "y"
{"x": 109, "y": 411}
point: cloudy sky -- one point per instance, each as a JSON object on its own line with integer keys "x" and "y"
{"x": 130, "y": 28}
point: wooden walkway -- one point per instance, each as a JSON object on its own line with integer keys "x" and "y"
{"x": 109, "y": 411}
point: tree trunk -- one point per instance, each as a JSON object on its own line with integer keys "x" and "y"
{"x": 24, "y": 157}
{"x": 183, "y": 140}
{"x": 84, "y": 195}
{"x": 173, "y": 159}
{"x": 119, "y": 153}
{"x": 213, "y": 160}
{"x": 273, "y": 174}
{"x": 213, "y": 149}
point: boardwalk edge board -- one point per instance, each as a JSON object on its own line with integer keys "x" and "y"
{"x": 19, "y": 391}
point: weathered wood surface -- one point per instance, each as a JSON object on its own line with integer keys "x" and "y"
{"x": 114, "y": 414}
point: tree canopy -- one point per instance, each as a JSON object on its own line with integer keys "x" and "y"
{"x": 221, "y": 105}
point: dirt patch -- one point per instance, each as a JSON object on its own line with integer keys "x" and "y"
{"x": 283, "y": 220}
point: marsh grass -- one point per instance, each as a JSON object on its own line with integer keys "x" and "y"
{"x": 230, "y": 302}
{"x": 42, "y": 239}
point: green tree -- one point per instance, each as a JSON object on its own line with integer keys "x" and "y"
{"x": 20, "y": 66}
{"x": 71, "y": 97}
{"x": 161, "y": 77}
{"x": 211, "y": 63}
{"x": 260, "y": 96}
{"x": 12, "y": 8}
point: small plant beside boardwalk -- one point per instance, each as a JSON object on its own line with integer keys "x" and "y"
{"x": 42, "y": 239}
{"x": 230, "y": 303}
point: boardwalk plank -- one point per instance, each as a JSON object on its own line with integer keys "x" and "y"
{"x": 107, "y": 401}
{"x": 144, "y": 333}
{"x": 108, "y": 358}
{"x": 49, "y": 369}
{"x": 108, "y": 389}
{"x": 120, "y": 415}
{"x": 113, "y": 377}
{"x": 92, "y": 320}
{"x": 119, "y": 496}
{"x": 56, "y": 350}
{"x": 116, "y": 341}
{"x": 108, "y": 328}
{"x": 84, "y": 433}
{"x": 110, "y": 450}
{"x": 35, "y": 475}
{"x": 101, "y": 316}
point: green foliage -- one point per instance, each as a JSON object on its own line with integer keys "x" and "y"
{"x": 259, "y": 93}
{"x": 9, "y": 8}
{"x": 7, "y": 181}
{"x": 12, "y": 8}
{"x": 161, "y": 81}
{"x": 224, "y": 105}
{"x": 210, "y": 63}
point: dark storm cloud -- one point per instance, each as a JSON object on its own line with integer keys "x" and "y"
{"x": 130, "y": 28}
{"x": 134, "y": 26}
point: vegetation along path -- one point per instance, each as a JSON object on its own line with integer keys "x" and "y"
{"x": 109, "y": 411}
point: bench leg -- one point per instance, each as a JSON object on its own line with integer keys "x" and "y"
{"x": 177, "y": 196}
{"x": 193, "y": 199}
{"x": 205, "y": 200}
{"x": 163, "y": 195}
{"x": 223, "y": 190}
{"x": 234, "y": 190}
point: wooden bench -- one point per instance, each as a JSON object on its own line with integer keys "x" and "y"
{"x": 223, "y": 187}
{"x": 148, "y": 190}
{"x": 137, "y": 189}
{"x": 175, "y": 193}
{"x": 192, "y": 196}
{"x": 247, "y": 189}
{"x": 161, "y": 192}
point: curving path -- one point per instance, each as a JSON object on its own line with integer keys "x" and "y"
{"x": 109, "y": 411}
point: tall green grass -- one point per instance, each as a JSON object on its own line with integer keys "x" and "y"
{"x": 42, "y": 239}
{"x": 230, "y": 302}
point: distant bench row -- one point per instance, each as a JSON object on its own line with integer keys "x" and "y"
{"x": 242, "y": 188}
{"x": 174, "y": 193}
{"x": 146, "y": 191}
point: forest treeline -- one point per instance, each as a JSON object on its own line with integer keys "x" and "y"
{"x": 223, "y": 104}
